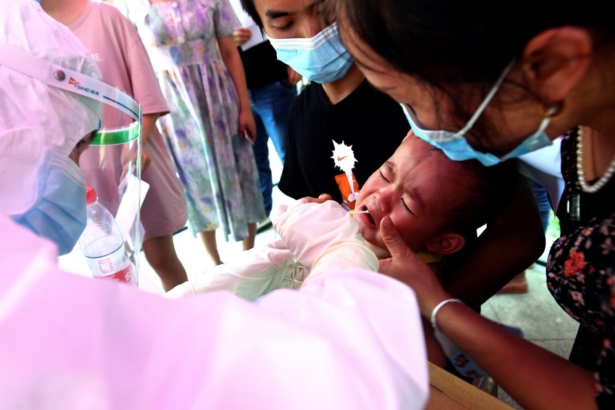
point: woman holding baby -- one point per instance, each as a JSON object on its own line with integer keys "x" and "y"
{"x": 478, "y": 82}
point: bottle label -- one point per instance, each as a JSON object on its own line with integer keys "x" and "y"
{"x": 111, "y": 264}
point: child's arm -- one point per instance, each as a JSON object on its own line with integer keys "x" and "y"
{"x": 148, "y": 122}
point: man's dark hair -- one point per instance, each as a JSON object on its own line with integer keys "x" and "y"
{"x": 248, "y": 6}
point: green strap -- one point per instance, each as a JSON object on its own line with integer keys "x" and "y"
{"x": 119, "y": 136}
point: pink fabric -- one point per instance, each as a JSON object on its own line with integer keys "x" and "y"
{"x": 118, "y": 51}
{"x": 349, "y": 339}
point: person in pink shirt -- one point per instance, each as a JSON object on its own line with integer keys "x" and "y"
{"x": 118, "y": 51}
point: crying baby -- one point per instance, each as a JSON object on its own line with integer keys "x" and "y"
{"x": 435, "y": 203}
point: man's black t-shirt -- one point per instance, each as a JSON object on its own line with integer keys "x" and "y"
{"x": 369, "y": 121}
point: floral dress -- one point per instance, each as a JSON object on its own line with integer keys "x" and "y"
{"x": 214, "y": 163}
{"x": 581, "y": 273}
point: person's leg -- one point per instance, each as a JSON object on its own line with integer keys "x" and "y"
{"x": 209, "y": 241}
{"x": 160, "y": 254}
{"x": 261, "y": 153}
{"x": 542, "y": 200}
{"x": 275, "y": 101}
{"x": 248, "y": 243}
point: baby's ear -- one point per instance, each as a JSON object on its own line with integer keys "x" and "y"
{"x": 447, "y": 244}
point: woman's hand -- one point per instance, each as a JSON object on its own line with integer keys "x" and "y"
{"x": 247, "y": 125}
{"x": 405, "y": 266}
{"x": 232, "y": 61}
{"x": 322, "y": 198}
{"x": 241, "y": 36}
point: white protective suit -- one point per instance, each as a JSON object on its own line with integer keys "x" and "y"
{"x": 349, "y": 339}
{"x": 250, "y": 275}
{"x": 272, "y": 266}
{"x": 29, "y": 108}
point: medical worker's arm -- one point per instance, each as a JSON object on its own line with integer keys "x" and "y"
{"x": 233, "y": 64}
{"x": 322, "y": 233}
{"x": 249, "y": 275}
{"x": 534, "y": 377}
{"x": 335, "y": 343}
{"x": 509, "y": 245}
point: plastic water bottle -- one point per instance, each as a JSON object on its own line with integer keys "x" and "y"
{"x": 103, "y": 245}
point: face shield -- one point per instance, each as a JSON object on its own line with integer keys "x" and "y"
{"x": 53, "y": 203}
{"x": 112, "y": 167}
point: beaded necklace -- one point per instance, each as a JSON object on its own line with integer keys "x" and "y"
{"x": 590, "y": 189}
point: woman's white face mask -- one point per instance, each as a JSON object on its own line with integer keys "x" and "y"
{"x": 455, "y": 144}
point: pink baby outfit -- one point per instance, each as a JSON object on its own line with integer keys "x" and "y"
{"x": 118, "y": 51}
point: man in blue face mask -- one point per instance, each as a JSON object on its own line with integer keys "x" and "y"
{"x": 336, "y": 123}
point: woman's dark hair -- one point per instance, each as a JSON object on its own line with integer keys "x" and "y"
{"x": 492, "y": 191}
{"x": 463, "y": 41}
{"x": 461, "y": 47}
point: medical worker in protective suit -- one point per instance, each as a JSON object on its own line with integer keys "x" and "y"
{"x": 69, "y": 342}
{"x": 43, "y": 131}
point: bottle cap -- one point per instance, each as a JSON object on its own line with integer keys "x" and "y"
{"x": 90, "y": 195}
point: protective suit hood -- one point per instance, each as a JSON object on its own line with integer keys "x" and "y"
{"x": 35, "y": 117}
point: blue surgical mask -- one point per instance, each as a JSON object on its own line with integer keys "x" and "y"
{"x": 455, "y": 145}
{"x": 322, "y": 58}
{"x": 59, "y": 213}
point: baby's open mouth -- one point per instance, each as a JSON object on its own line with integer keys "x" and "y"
{"x": 365, "y": 211}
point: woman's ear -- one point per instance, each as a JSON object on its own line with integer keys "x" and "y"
{"x": 556, "y": 60}
{"x": 447, "y": 244}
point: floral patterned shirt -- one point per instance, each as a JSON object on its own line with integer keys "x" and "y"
{"x": 581, "y": 268}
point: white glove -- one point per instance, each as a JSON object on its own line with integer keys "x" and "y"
{"x": 318, "y": 232}
{"x": 252, "y": 274}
